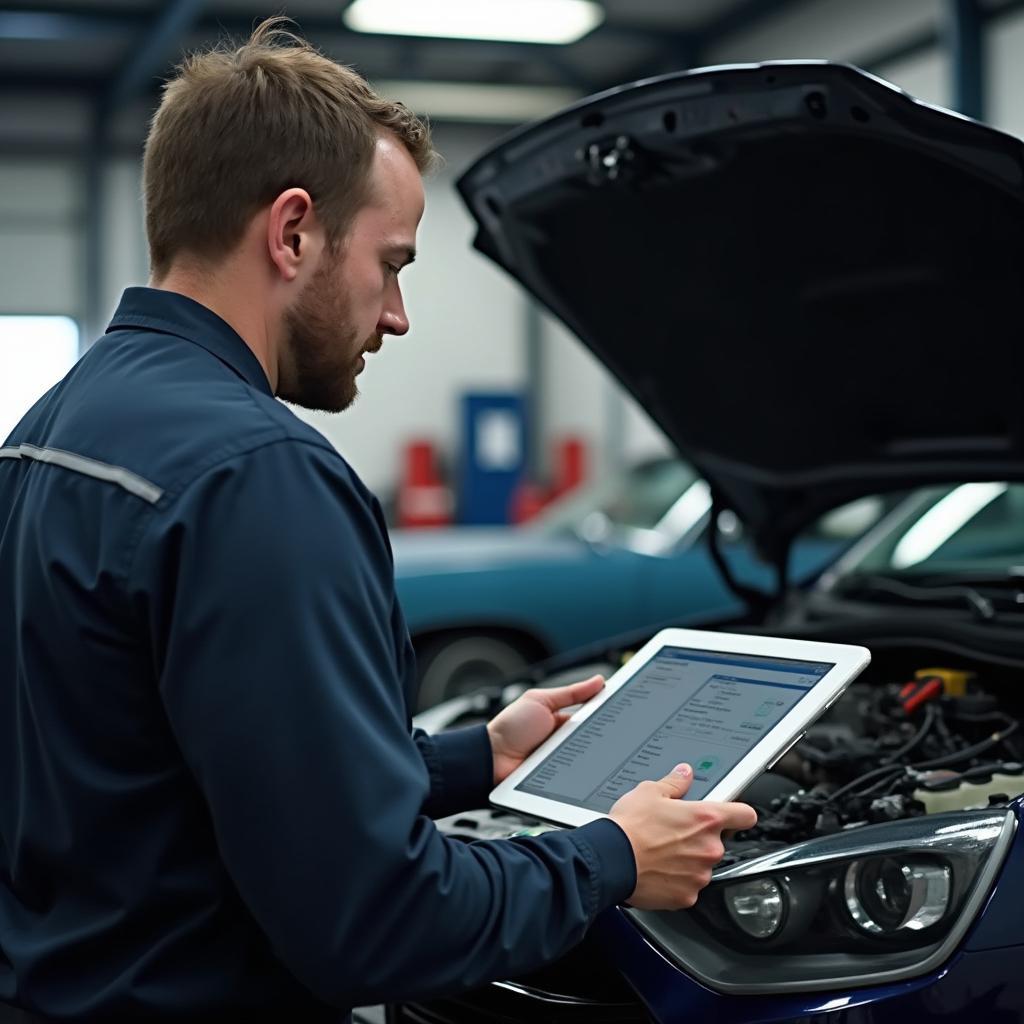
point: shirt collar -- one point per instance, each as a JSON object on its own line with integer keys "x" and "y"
{"x": 157, "y": 310}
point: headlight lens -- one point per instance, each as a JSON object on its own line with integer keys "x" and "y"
{"x": 886, "y": 894}
{"x": 757, "y": 907}
{"x": 868, "y": 906}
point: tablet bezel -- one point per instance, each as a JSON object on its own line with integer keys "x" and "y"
{"x": 847, "y": 662}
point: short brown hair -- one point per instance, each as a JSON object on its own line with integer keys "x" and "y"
{"x": 238, "y": 126}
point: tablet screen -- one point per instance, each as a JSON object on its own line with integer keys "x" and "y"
{"x": 707, "y": 708}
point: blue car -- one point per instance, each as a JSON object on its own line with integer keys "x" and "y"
{"x": 484, "y": 603}
{"x": 813, "y": 282}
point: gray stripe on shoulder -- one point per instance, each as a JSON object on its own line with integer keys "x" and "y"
{"x": 124, "y": 478}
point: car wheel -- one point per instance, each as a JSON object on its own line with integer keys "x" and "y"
{"x": 455, "y": 665}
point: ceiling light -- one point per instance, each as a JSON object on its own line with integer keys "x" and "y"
{"x": 521, "y": 21}
{"x": 472, "y": 101}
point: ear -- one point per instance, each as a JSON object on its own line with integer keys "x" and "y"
{"x": 294, "y": 235}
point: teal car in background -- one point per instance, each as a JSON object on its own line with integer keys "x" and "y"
{"x": 614, "y": 556}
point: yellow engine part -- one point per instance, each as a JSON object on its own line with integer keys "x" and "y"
{"x": 954, "y": 680}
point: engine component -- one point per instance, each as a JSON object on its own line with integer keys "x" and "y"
{"x": 940, "y": 742}
{"x": 954, "y": 681}
{"x": 955, "y": 792}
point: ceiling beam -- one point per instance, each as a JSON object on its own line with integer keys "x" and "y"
{"x": 317, "y": 24}
{"x": 107, "y": 14}
{"x": 60, "y": 20}
{"x": 157, "y": 49}
{"x": 102, "y": 16}
{"x": 49, "y": 85}
{"x": 55, "y": 25}
{"x": 65, "y": 20}
{"x": 930, "y": 39}
{"x": 963, "y": 39}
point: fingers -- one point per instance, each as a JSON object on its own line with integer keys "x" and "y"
{"x": 678, "y": 781}
{"x": 566, "y": 696}
{"x": 737, "y": 817}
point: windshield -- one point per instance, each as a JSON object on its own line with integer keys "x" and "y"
{"x": 638, "y": 499}
{"x": 974, "y": 529}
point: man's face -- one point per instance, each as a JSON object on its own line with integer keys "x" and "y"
{"x": 353, "y": 298}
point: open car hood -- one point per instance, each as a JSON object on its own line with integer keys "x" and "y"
{"x": 813, "y": 282}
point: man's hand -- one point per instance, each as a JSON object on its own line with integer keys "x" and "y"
{"x": 528, "y": 721}
{"x": 676, "y": 843}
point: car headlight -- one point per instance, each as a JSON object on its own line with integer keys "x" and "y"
{"x": 887, "y": 894}
{"x": 868, "y": 906}
{"x": 757, "y": 907}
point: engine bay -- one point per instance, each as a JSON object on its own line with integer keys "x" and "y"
{"x": 879, "y": 834}
{"x": 896, "y": 747}
{"x": 919, "y": 733}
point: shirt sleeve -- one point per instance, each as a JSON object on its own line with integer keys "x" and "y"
{"x": 278, "y": 668}
{"x": 460, "y": 764}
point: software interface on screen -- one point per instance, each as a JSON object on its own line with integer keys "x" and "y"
{"x": 707, "y": 708}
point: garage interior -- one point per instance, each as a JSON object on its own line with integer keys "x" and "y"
{"x": 515, "y": 470}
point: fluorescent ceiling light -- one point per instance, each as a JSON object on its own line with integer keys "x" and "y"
{"x": 469, "y": 101}
{"x": 520, "y": 21}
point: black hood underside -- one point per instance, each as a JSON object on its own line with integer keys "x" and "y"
{"x": 811, "y": 281}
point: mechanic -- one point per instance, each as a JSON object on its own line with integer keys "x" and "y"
{"x": 211, "y": 804}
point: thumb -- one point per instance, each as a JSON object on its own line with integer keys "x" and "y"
{"x": 677, "y": 782}
{"x": 566, "y": 696}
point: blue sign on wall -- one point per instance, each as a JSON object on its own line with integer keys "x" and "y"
{"x": 494, "y": 456}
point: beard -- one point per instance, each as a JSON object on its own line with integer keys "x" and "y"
{"x": 323, "y": 347}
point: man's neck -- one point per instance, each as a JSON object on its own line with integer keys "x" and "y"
{"x": 235, "y": 300}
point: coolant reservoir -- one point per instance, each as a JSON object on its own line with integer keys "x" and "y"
{"x": 969, "y": 794}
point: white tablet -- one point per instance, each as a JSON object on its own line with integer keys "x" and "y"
{"x": 728, "y": 705}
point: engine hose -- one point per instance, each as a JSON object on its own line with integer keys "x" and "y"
{"x": 926, "y": 726}
{"x": 888, "y": 769}
{"x": 968, "y": 752}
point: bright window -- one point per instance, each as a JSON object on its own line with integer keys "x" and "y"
{"x": 35, "y": 353}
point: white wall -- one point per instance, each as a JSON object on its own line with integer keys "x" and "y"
{"x": 42, "y": 218}
{"x": 467, "y": 316}
{"x": 582, "y": 398}
{"x": 40, "y": 237}
{"x": 833, "y": 29}
{"x": 27, "y": 119}
{"x": 854, "y": 32}
{"x": 125, "y": 259}
{"x": 927, "y": 76}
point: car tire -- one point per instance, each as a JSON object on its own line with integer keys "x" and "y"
{"x": 457, "y": 664}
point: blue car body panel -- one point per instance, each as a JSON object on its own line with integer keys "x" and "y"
{"x": 1001, "y": 923}
{"x": 564, "y": 592}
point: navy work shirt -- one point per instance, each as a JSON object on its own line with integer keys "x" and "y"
{"x": 210, "y": 799}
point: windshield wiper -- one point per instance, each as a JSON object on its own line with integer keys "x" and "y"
{"x": 916, "y": 593}
{"x": 1011, "y": 578}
